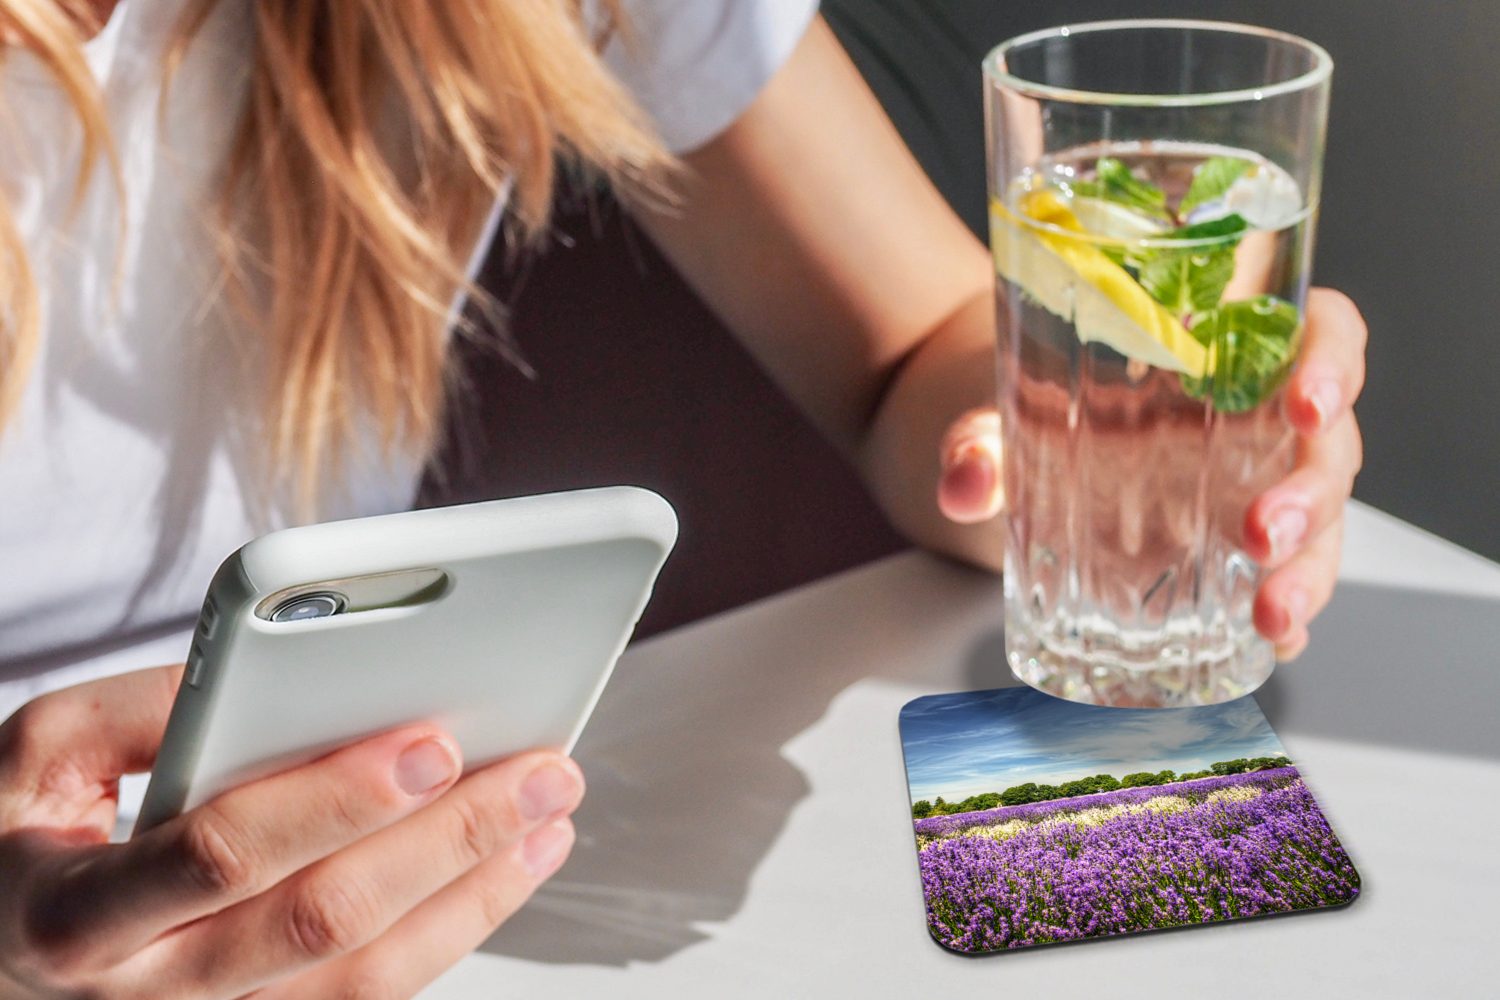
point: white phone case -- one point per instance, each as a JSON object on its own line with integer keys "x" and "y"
{"x": 541, "y": 595}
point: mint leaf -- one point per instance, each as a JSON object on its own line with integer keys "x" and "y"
{"x": 1114, "y": 182}
{"x": 1192, "y": 279}
{"x": 1250, "y": 346}
{"x": 1187, "y": 281}
{"x": 1211, "y": 180}
{"x": 1229, "y": 225}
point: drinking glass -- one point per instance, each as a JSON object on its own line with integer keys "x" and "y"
{"x": 1153, "y": 188}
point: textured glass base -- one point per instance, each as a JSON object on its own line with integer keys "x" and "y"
{"x": 1169, "y": 679}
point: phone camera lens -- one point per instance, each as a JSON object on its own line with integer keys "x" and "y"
{"x": 306, "y": 606}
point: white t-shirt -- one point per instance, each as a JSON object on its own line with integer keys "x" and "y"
{"x": 125, "y": 477}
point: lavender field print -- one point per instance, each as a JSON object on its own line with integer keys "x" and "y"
{"x": 1040, "y": 821}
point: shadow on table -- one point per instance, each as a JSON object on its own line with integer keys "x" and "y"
{"x": 688, "y": 786}
{"x": 1386, "y": 665}
{"x": 1396, "y": 667}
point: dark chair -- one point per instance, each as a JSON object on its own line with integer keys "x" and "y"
{"x": 637, "y": 382}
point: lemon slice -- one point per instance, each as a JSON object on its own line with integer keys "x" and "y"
{"x": 1116, "y": 222}
{"x": 1076, "y": 281}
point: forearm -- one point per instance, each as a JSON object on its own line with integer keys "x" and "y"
{"x": 811, "y": 230}
{"x": 950, "y": 372}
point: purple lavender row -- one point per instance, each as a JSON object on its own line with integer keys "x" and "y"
{"x": 1197, "y": 789}
{"x": 1142, "y": 870}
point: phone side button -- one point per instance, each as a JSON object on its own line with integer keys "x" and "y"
{"x": 194, "y": 673}
{"x": 208, "y": 618}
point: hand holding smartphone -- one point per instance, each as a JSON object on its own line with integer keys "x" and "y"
{"x": 498, "y": 622}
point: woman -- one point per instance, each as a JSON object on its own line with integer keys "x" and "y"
{"x": 232, "y": 239}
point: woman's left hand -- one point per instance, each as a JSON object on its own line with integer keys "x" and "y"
{"x": 1296, "y": 528}
{"x": 880, "y": 338}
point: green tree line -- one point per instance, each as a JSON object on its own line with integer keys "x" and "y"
{"x": 1018, "y": 795}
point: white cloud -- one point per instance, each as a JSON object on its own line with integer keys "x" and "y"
{"x": 1029, "y": 737}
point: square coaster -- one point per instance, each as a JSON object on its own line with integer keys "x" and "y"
{"x": 1040, "y": 821}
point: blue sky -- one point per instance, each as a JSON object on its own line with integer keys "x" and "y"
{"x": 958, "y": 745}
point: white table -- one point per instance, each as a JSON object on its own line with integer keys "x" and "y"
{"x": 746, "y": 832}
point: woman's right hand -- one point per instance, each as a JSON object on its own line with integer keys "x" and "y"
{"x": 367, "y": 872}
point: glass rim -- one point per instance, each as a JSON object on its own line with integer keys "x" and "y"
{"x": 1319, "y": 73}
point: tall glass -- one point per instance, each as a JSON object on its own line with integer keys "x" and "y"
{"x": 1153, "y": 187}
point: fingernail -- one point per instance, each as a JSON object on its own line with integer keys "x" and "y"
{"x": 1324, "y": 395}
{"x": 976, "y": 463}
{"x": 544, "y": 850}
{"x": 972, "y": 480}
{"x": 425, "y": 765}
{"x": 1296, "y": 607}
{"x": 1285, "y": 531}
{"x": 549, "y": 790}
{"x": 969, "y": 453}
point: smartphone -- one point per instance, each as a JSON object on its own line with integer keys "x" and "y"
{"x": 500, "y": 621}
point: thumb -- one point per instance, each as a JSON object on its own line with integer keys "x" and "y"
{"x": 100, "y": 730}
{"x": 970, "y": 487}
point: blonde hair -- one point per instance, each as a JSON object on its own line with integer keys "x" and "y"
{"x": 345, "y": 254}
